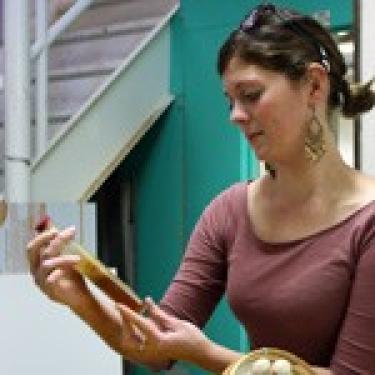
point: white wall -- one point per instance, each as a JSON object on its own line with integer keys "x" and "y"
{"x": 345, "y": 140}
{"x": 367, "y": 72}
{"x": 38, "y": 336}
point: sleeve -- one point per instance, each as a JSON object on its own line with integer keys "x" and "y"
{"x": 355, "y": 348}
{"x": 200, "y": 281}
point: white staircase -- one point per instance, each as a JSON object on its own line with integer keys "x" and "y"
{"x": 108, "y": 82}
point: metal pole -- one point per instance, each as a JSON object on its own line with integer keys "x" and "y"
{"x": 57, "y": 28}
{"x": 367, "y": 69}
{"x": 357, "y": 78}
{"x": 41, "y": 79}
{"x": 17, "y": 100}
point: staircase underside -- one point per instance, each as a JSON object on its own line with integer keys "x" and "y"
{"x": 81, "y": 62}
{"x": 91, "y": 145}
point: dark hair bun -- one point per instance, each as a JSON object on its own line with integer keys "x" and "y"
{"x": 358, "y": 98}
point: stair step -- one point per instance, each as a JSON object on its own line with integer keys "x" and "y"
{"x": 106, "y": 13}
{"x": 115, "y": 11}
{"x": 83, "y": 71}
{"x": 100, "y": 44}
{"x": 69, "y": 95}
{"x": 107, "y": 2}
{"x": 104, "y": 31}
{"x": 126, "y": 10}
{"x": 84, "y": 52}
{"x": 66, "y": 95}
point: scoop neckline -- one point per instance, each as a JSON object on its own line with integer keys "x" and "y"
{"x": 306, "y": 237}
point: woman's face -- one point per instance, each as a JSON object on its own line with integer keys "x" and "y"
{"x": 270, "y": 109}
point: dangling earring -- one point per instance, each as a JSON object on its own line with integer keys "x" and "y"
{"x": 315, "y": 146}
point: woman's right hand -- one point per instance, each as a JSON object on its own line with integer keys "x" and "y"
{"x": 56, "y": 276}
{"x": 53, "y": 271}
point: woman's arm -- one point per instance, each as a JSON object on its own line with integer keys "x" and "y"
{"x": 355, "y": 346}
{"x": 217, "y": 358}
{"x": 102, "y": 316}
{"x": 179, "y": 339}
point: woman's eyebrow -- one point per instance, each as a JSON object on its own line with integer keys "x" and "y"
{"x": 248, "y": 82}
{"x": 244, "y": 83}
{"x": 239, "y": 84}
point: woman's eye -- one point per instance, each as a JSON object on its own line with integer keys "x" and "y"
{"x": 251, "y": 96}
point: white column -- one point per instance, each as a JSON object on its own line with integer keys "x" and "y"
{"x": 367, "y": 53}
{"x": 41, "y": 79}
{"x": 17, "y": 100}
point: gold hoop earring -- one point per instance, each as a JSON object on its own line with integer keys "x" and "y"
{"x": 315, "y": 146}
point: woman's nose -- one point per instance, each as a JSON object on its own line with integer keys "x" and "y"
{"x": 238, "y": 113}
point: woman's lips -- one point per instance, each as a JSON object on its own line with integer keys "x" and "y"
{"x": 251, "y": 137}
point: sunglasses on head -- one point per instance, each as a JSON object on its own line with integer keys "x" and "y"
{"x": 258, "y": 17}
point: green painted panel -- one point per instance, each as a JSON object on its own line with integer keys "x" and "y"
{"x": 159, "y": 234}
{"x": 211, "y": 142}
{"x": 212, "y": 13}
{"x": 215, "y": 154}
{"x": 158, "y": 207}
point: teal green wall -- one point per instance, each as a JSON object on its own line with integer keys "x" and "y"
{"x": 218, "y": 14}
{"x": 193, "y": 152}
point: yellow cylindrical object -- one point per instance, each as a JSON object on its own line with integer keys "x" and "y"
{"x": 98, "y": 273}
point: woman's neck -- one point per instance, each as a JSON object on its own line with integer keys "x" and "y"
{"x": 303, "y": 180}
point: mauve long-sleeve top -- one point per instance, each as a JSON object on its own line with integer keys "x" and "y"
{"x": 313, "y": 296}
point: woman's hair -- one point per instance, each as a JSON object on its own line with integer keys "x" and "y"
{"x": 285, "y": 41}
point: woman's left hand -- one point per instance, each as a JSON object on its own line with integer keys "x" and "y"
{"x": 165, "y": 338}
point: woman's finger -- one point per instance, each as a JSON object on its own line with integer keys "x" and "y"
{"x": 162, "y": 318}
{"x": 36, "y": 245}
{"x": 53, "y": 280}
{"x": 54, "y": 276}
{"x": 133, "y": 336}
{"x": 146, "y": 326}
{"x": 58, "y": 243}
{"x": 49, "y": 265}
{"x": 42, "y": 239}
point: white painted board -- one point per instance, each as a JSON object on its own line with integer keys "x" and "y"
{"x": 40, "y": 337}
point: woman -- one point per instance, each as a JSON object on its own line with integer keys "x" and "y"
{"x": 294, "y": 250}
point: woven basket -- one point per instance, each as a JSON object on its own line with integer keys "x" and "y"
{"x": 243, "y": 365}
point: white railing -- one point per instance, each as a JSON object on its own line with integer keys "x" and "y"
{"x": 18, "y": 59}
{"x": 39, "y": 51}
{"x": 41, "y": 55}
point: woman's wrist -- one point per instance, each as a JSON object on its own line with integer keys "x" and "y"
{"x": 82, "y": 298}
{"x": 214, "y": 357}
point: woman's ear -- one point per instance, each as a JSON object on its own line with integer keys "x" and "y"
{"x": 318, "y": 83}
